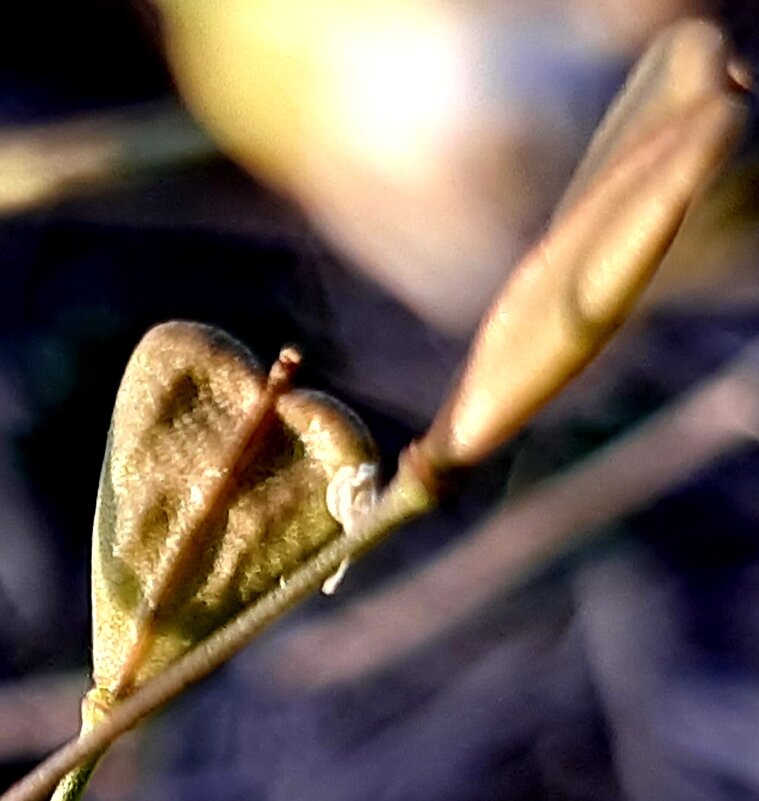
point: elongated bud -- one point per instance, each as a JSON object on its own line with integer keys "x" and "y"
{"x": 687, "y": 64}
{"x": 569, "y": 294}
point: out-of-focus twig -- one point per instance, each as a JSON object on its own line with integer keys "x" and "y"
{"x": 42, "y": 164}
{"x": 710, "y": 422}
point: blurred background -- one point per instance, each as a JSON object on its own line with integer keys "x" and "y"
{"x": 381, "y": 209}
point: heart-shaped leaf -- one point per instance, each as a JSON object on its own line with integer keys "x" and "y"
{"x": 214, "y": 486}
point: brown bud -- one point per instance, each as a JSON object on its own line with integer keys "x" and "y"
{"x": 676, "y": 122}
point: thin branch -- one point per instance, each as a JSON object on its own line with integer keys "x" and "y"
{"x": 712, "y": 421}
{"x": 41, "y": 164}
{"x": 404, "y": 499}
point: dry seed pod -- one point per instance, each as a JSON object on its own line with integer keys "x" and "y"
{"x": 213, "y": 488}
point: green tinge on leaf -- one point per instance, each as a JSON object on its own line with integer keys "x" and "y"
{"x": 214, "y": 487}
{"x": 186, "y": 534}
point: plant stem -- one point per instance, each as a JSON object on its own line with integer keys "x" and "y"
{"x": 72, "y": 786}
{"x": 404, "y": 499}
{"x": 715, "y": 420}
{"x": 96, "y": 706}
